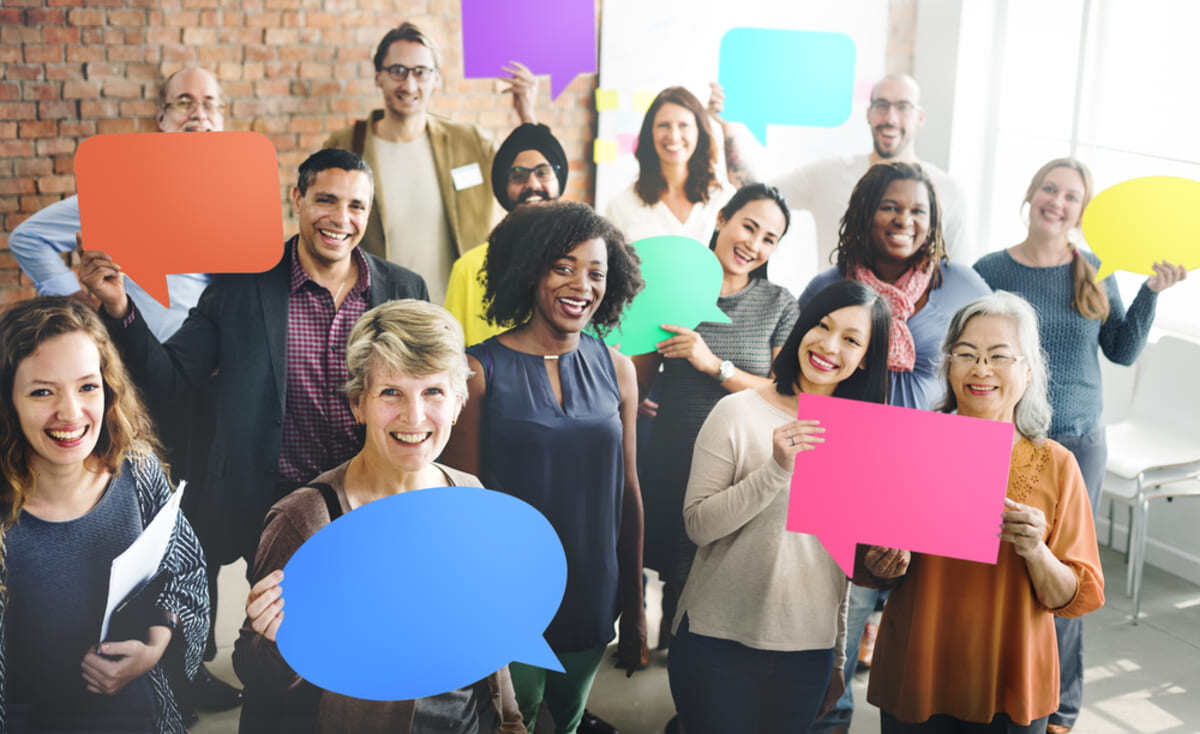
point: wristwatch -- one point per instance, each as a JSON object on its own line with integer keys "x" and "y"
{"x": 725, "y": 371}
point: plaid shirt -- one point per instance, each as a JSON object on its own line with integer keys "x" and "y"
{"x": 318, "y": 427}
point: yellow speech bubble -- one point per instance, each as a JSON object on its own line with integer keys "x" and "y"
{"x": 1138, "y": 222}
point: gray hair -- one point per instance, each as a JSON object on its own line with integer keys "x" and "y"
{"x": 411, "y": 337}
{"x": 1032, "y": 414}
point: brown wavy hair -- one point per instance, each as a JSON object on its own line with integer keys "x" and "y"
{"x": 854, "y": 238}
{"x": 127, "y": 428}
{"x": 1087, "y": 296}
{"x": 650, "y": 184}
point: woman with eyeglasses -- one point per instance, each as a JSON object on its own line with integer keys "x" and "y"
{"x": 1078, "y": 318}
{"x": 891, "y": 240}
{"x": 969, "y": 647}
{"x": 677, "y": 191}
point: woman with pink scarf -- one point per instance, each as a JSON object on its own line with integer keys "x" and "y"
{"x": 891, "y": 240}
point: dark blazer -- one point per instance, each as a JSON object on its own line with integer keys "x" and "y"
{"x": 238, "y": 330}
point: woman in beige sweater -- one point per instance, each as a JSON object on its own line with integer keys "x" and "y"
{"x": 761, "y": 621}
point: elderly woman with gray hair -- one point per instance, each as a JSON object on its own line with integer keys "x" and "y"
{"x": 969, "y": 647}
{"x": 408, "y": 383}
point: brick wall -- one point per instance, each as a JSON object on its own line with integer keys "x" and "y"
{"x": 293, "y": 70}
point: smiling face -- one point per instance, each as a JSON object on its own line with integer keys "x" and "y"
{"x": 540, "y": 184}
{"x": 831, "y": 351}
{"x": 675, "y": 134}
{"x": 332, "y": 214}
{"x": 195, "y": 85}
{"x": 901, "y": 223}
{"x": 1057, "y": 204}
{"x": 572, "y": 290}
{"x": 991, "y": 390}
{"x": 407, "y": 418}
{"x": 58, "y": 395}
{"x": 407, "y": 97}
{"x": 749, "y": 237}
{"x": 894, "y": 124}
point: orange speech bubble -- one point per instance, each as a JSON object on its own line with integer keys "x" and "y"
{"x": 180, "y": 203}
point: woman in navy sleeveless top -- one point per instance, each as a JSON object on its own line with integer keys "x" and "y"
{"x": 550, "y": 419}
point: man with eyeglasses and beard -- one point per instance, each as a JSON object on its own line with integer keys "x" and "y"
{"x": 529, "y": 168}
{"x": 431, "y": 174}
{"x": 823, "y": 187}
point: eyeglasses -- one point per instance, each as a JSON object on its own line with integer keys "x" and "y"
{"x": 880, "y": 106}
{"x": 400, "y": 72}
{"x": 543, "y": 172}
{"x": 998, "y": 361}
{"x": 188, "y": 105}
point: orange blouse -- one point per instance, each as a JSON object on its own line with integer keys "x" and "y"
{"x": 971, "y": 640}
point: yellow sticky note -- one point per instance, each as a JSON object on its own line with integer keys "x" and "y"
{"x": 1135, "y": 223}
{"x": 607, "y": 99}
{"x": 642, "y": 99}
{"x": 604, "y": 151}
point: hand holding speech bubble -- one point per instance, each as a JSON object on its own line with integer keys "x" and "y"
{"x": 160, "y": 204}
{"x": 683, "y": 283}
{"x": 422, "y": 593}
{"x": 914, "y": 479}
{"x": 1138, "y": 222}
{"x": 550, "y": 36}
{"x": 783, "y": 77}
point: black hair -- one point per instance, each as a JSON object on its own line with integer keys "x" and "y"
{"x": 854, "y": 237}
{"x": 871, "y": 382}
{"x": 749, "y": 193}
{"x": 330, "y": 158}
{"x": 523, "y": 247}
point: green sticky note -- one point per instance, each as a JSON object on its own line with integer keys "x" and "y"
{"x": 683, "y": 282}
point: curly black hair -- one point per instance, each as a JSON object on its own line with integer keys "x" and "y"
{"x": 854, "y": 238}
{"x": 523, "y": 247}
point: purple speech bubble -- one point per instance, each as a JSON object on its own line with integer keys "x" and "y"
{"x": 555, "y": 37}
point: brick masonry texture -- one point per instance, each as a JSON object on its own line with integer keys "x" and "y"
{"x": 294, "y": 70}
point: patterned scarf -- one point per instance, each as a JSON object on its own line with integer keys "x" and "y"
{"x": 902, "y": 296}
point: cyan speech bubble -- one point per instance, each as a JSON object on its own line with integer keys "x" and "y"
{"x": 555, "y": 37}
{"x": 1132, "y": 225}
{"x": 422, "y": 593}
{"x": 781, "y": 77}
{"x": 683, "y": 283}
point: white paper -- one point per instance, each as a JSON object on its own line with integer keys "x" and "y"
{"x": 140, "y": 561}
{"x": 466, "y": 176}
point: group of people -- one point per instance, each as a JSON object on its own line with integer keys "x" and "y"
{"x": 290, "y": 397}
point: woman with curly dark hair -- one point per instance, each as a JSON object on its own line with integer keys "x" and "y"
{"x": 677, "y": 191}
{"x": 891, "y": 240}
{"x": 550, "y": 419}
{"x": 79, "y": 480}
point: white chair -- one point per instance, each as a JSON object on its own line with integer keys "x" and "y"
{"x": 1154, "y": 453}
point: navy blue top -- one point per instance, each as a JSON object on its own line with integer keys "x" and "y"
{"x": 922, "y": 387}
{"x": 1071, "y": 341}
{"x": 57, "y": 585}
{"x": 567, "y": 461}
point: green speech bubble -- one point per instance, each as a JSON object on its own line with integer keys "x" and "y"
{"x": 1132, "y": 225}
{"x": 683, "y": 283}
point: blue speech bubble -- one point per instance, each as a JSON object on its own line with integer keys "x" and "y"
{"x": 780, "y": 77}
{"x": 422, "y": 593}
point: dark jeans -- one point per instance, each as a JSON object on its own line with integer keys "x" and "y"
{"x": 942, "y": 724}
{"x": 721, "y": 686}
{"x": 1091, "y": 452}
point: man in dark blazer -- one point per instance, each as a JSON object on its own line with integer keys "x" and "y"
{"x": 276, "y": 342}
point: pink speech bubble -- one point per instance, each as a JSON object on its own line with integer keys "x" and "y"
{"x": 914, "y": 479}
{"x": 162, "y": 203}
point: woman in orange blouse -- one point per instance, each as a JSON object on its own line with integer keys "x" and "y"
{"x": 970, "y": 647}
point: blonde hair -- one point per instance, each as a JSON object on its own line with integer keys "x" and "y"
{"x": 126, "y": 429}
{"x": 408, "y": 336}
{"x": 1087, "y": 297}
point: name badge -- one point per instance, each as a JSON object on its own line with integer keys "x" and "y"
{"x": 466, "y": 176}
